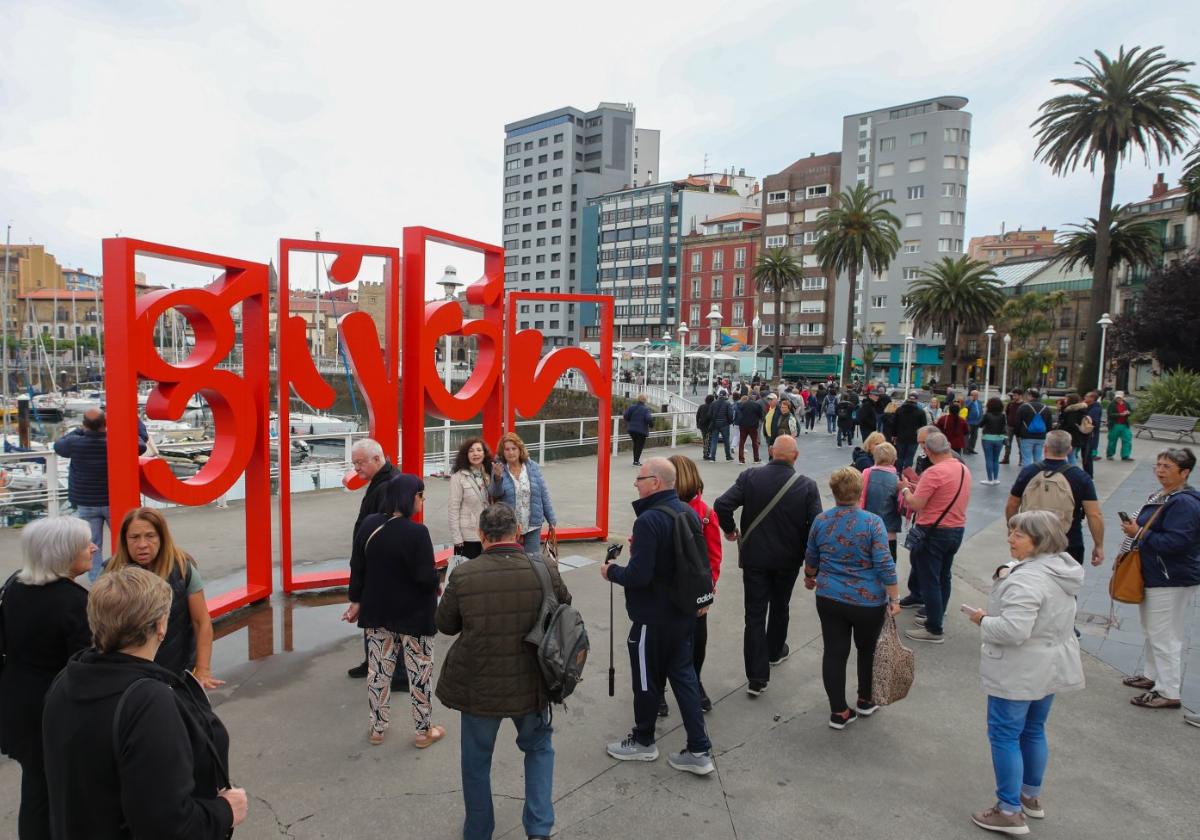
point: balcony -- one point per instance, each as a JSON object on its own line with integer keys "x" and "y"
{"x": 1175, "y": 243}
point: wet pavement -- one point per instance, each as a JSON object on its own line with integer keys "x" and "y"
{"x": 917, "y": 769}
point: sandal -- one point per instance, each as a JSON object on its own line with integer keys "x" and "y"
{"x": 1139, "y": 681}
{"x": 1154, "y": 700}
{"x": 375, "y": 738}
{"x": 435, "y": 734}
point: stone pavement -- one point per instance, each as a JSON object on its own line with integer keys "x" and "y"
{"x": 917, "y": 769}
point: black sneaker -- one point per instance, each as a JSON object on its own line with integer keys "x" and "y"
{"x": 783, "y": 655}
{"x": 663, "y": 708}
{"x": 866, "y": 708}
{"x": 840, "y": 720}
{"x": 756, "y": 688}
{"x": 705, "y": 703}
{"x": 358, "y": 672}
{"x": 908, "y": 602}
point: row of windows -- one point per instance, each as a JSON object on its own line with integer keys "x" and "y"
{"x": 528, "y": 226}
{"x": 918, "y": 192}
{"x": 945, "y": 217}
{"x": 638, "y": 310}
{"x": 944, "y": 246}
{"x": 630, "y": 272}
{"x": 718, "y": 259}
{"x": 514, "y": 212}
{"x": 628, "y": 214}
{"x": 627, "y": 234}
{"x": 637, "y": 252}
{"x": 807, "y": 284}
{"x": 781, "y": 196}
{"x": 718, "y": 288}
{"x": 554, "y": 325}
{"x": 887, "y": 170}
{"x": 818, "y": 328}
{"x": 738, "y": 319}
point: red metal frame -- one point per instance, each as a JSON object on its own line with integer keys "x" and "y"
{"x": 238, "y": 403}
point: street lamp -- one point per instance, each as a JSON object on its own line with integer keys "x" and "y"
{"x": 756, "y": 323}
{"x": 1105, "y": 322}
{"x": 666, "y": 337}
{"x": 908, "y": 348}
{"x": 450, "y": 284}
{"x": 1004, "y": 376}
{"x": 842, "y": 362}
{"x": 682, "y": 330}
{"x": 987, "y": 368}
{"x": 646, "y": 363}
{"x": 714, "y": 324}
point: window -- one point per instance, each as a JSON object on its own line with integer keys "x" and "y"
{"x": 949, "y": 245}
{"x": 739, "y": 257}
{"x": 916, "y": 192}
{"x": 558, "y": 138}
{"x": 948, "y": 190}
{"x": 511, "y": 228}
{"x": 820, "y": 191}
{"x": 810, "y": 306}
{"x": 739, "y": 316}
{"x": 695, "y": 288}
{"x": 695, "y": 313}
{"x": 542, "y": 158}
{"x": 716, "y": 287}
{"x": 776, "y": 241}
{"x": 811, "y": 329}
{"x": 512, "y": 165}
{"x": 879, "y": 301}
{"x": 887, "y": 144}
{"x": 912, "y": 273}
{"x": 556, "y": 205}
{"x": 512, "y": 148}
{"x": 512, "y": 180}
{"x": 885, "y": 195}
{"x": 917, "y": 138}
{"x": 558, "y": 172}
{"x": 1064, "y": 346}
{"x": 912, "y": 220}
{"x": 886, "y": 170}
{"x": 912, "y": 246}
{"x": 512, "y": 196}
{"x": 718, "y": 260}
{"x": 950, "y": 135}
{"x": 542, "y": 175}
{"x": 812, "y": 284}
{"x": 966, "y": 136}
{"x": 962, "y": 190}
{"x": 916, "y": 165}
{"x": 950, "y": 162}
{"x": 779, "y": 197}
{"x": 697, "y": 260}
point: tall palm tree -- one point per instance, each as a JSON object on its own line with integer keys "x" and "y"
{"x": 1191, "y": 180}
{"x": 777, "y": 271}
{"x": 1130, "y": 240}
{"x": 950, "y": 296}
{"x": 1139, "y": 100}
{"x": 857, "y": 231}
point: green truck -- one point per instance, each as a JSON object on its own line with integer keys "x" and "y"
{"x": 810, "y": 365}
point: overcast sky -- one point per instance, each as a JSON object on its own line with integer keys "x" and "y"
{"x": 224, "y": 126}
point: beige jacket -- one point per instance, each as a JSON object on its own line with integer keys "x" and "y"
{"x": 466, "y": 504}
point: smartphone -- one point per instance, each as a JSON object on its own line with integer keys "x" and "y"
{"x": 1124, "y": 516}
{"x": 966, "y": 609}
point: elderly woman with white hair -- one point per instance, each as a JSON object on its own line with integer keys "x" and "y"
{"x": 44, "y": 622}
{"x": 1029, "y": 654}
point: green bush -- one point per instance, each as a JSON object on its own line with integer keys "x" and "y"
{"x": 1175, "y": 392}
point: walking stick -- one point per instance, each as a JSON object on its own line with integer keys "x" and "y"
{"x": 614, "y": 551}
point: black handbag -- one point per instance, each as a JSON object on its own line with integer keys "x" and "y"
{"x": 917, "y": 534}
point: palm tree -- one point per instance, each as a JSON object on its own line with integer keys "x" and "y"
{"x": 1129, "y": 241}
{"x": 857, "y": 231}
{"x": 777, "y": 271}
{"x": 1137, "y": 100}
{"x": 1191, "y": 180}
{"x": 951, "y": 296}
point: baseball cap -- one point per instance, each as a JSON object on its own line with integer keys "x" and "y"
{"x": 912, "y": 396}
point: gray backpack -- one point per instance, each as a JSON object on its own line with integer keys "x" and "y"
{"x": 558, "y": 638}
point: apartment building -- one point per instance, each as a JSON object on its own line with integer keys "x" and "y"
{"x": 553, "y": 164}
{"x": 994, "y": 249}
{"x": 1178, "y": 231}
{"x": 718, "y": 267}
{"x": 794, "y": 199}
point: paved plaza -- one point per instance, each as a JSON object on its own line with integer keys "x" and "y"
{"x": 915, "y": 770}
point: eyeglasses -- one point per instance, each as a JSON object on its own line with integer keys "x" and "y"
{"x": 644, "y": 477}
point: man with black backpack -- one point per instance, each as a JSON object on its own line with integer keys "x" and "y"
{"x": 663, "y": 598}
{"x": 1034, "y": 421}
{"x": 778, "y": 507}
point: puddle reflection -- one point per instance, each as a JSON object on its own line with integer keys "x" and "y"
{"x": 283, "y": 624}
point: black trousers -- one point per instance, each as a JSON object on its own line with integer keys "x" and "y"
{"x": 33, "y": 819}
{"x": 840, "y": 622}
{"x": 768, "y": 594}
{"x": 700, "y": 646}
{"x": 659, "y": 653}
{"x": 639, "y": 443}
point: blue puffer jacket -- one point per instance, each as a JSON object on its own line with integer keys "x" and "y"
{"x": 540, "y": 508}
{"x": 1171, "y": 547}
{"x": 648, "y": 577}
{"x": 638, "y": 418}
{"x": 88, "y": 474}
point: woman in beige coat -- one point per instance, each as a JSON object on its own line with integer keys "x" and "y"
{"x": 469, "y": 487}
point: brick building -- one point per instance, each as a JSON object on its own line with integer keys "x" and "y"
{"x": 718, "y": 267}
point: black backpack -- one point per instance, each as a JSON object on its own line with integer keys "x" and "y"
{"x": 559, "y": 640}
{"x": 692, "y": 587}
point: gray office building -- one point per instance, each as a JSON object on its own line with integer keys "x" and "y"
{"x": 918, "y": 155}
{"x": 553, "y": 163}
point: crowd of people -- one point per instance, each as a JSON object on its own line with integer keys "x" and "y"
{"x": 119, "y": 673}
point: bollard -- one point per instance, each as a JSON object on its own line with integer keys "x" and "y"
{"x": 542, "y": 442}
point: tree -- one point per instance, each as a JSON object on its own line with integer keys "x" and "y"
{"x": 870, "y": 348}
{"x": 777, "y": 271}
{"x": 1163, "y": 321}
{"x": 857, "y": 231}
{"x": 1137, "y": 100}
{"x": 950, "y": 296}
{"x": 1028, "y": 318}
{"x": 1130, "y": 240}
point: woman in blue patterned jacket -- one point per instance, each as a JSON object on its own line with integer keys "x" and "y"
{"x": 848, "y": 563}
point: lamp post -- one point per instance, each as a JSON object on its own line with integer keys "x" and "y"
{"x": 756, "y": 323}
{"x": 449, "y": 284}
{"x": 682, "y": 330}
{"x": 987, "y": 368}
{"x": 842, "y": 362}
{"x": 646, "y": 363}
{"x": 666, "y": 338}
{"x": 908, "y": 348}
{"x": 1105, "y": 322}
{"x": 1004, "y": 375}
{"x": 714, "y": 324}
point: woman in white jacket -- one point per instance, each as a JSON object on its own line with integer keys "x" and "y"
{"x": 1029, "y": 654}
{"x": 470, "y": 483}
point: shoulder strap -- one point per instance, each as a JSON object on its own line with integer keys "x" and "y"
{"x": 543, "y": 576}
{"x": 961, "y": 477}
{"x": 787, "y": 485}
{"x": 116, "y": 724}
{"x": 373, "y": 533}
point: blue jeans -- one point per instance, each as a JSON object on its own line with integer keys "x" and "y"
{"x": 532, "y": 540}
{"x": 478, "y": 742}
{"x": 991, "y": 457}
{"x": 1031, "y": 450}
{"x": 720, "y": 431}
{"x": 95, "y": 516}
{"x": 831, "y": 422}
{"x": 1017, "y": 732}
{"x": 932, "y": 562}
{"x": 905, "y": 453}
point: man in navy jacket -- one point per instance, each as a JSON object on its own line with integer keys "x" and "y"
{"x": 660, "y": 640}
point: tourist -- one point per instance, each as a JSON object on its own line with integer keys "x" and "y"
{"x": 132, "y": 749}
{"x": 847, "y": 408}
{"x": 994, "y": 427}
{"x": 1029, "y": 654}
{"x": 638, "y": 420}
{"x": 812, "y": 408}
{"x": 372, "y": 466}
{"x": 1034, "y": 421}
{"x": 778, "y": 507}
{"x": 1011, "y": 423}
{"x": 44, "y": 620}
{"x": 887, "y": 420}
{"x": 749, "y": 419}
{"x": 861, "y": 457}
{"x": 660, "y": 638}
{"x": 1070, "y": 420}
{"x": 721, "y": 417}
{"x": 909, "y": 419}
{"x": 1096, "y": 415}
{"x": 87, "y": 477}
{"x": 954, "y": 427}
{"x": 518, "y": 482}
{"x": 704, "y": 423}
{"x": 935, "y": 409}
{"x": 829, "y": 407}
{"x": 940, "y": 500}
{"x": 1170, "y": 552}
{"x": 1118, "y": 428}
{"x": 880, "y": 491}
{"x": 782, "y": 421}
{"x": 489, "y": 674}
{"x": 690, "y": 488}
{"x": 974, "y": 407}
{"x": 869, "y": 411}
{"x": 848, "y": 563}
{"x": 145, "y": 541}
{"x": 393, "y": 595}
{"x": 470, "y": 481}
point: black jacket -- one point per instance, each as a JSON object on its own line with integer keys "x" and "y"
{"x": 43, "y": 626}
{"x": 1025, "y": 416}
{"x": 177, "y": 653}
{"x": 751, "y": 415}
{"x": 154, "y": 775}
{"x": 993, "y": 423}
{"x": 780, "y": 539}
{"x": 393, "y": 579}
{"x": 868, "y": 415}
{"x": 87, "y": 476}
{"x": 372, "y": 500}
{"x": 704, "y": 417}
{"x": 647, "y": 578}
{"x": 910, "y": 417}
{"x": 721, "y": 412}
